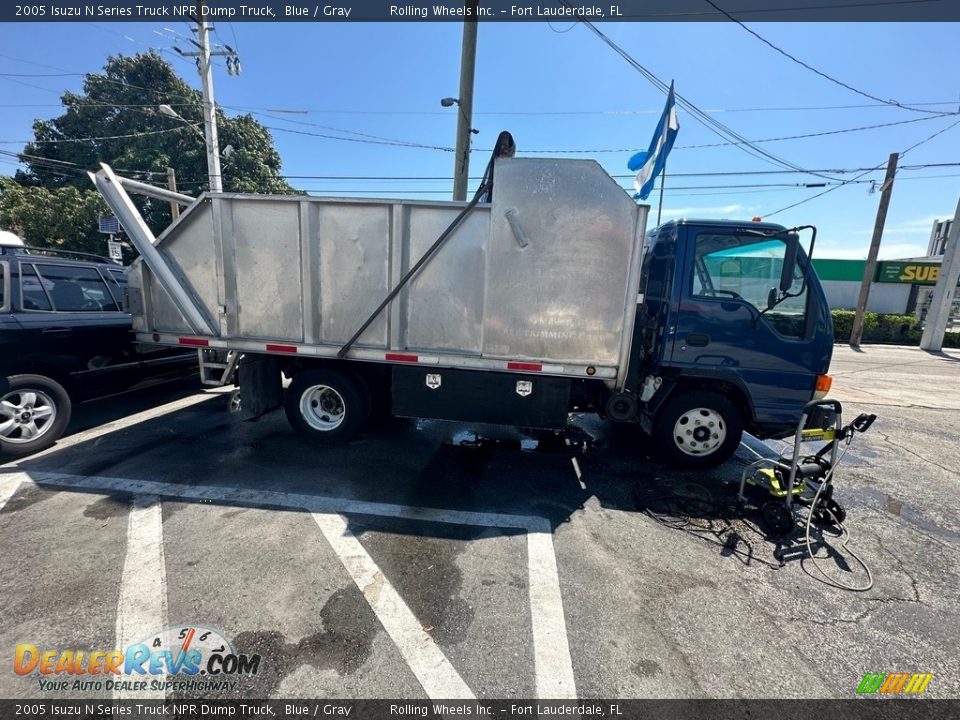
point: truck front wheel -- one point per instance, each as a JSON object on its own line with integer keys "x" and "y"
{"x": 326, "y": 406}
{"x": 698, "y": 429}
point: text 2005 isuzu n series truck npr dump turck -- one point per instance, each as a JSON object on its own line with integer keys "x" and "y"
{"x": 532, "y": 301}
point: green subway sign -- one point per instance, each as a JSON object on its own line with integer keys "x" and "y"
{"x": 911, "y": 273}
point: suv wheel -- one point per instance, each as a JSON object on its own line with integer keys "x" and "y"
{"x": 34, "y": 412}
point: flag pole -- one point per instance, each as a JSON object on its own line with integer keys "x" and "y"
{"x": 663, "y": 173}
{"x": 663, "y": 177}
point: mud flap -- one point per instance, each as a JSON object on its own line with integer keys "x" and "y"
{"x": 261, "y": 388}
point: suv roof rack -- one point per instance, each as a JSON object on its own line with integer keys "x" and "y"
{"x": 69, "y": 254}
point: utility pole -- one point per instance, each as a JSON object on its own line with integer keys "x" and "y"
{"x": 205, "y": 67}
{"x": 942, "y": 299}
{"x": 172, "y": 186}
{"x": 209, "y": 108}
{"x": 468, "y": 57}
{"x": 856, "y": 332}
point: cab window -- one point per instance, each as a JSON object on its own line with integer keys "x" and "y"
{"x": 747, "y": 268}
{"x": 76, "y": 289}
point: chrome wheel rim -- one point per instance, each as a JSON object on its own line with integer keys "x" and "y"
{"x": 322, "y": 408}
{"x": 699, "y": 431}
{"x": 26, "y": 415}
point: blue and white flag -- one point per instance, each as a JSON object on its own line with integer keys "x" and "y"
{"x": 650, "y": 163}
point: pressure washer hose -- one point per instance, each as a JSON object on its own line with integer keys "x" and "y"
{"x": 845, "y": 536}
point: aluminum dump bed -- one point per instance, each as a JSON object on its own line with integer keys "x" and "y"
{"x": 544, "y": 277}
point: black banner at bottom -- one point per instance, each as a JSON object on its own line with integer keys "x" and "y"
{"x": 854, "y": 709}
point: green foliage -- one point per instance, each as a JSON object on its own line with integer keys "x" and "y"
{"x": 64, "y": 217}
{"x": 122, "y": 103}
{"x": 884, "y": 328}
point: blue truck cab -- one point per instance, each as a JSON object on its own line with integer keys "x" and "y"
{"x": 733, "y": 333}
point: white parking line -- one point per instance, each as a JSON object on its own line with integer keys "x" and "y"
{"x": 6, "y": 492}
{"x": 554, "y": 669}
{"x": 576, "y": 469}
{"x": 552, "y": 665}
{"x": 121, "y": 424}
{"x": 142, "y": 607}
{"x": 427, "y": 662}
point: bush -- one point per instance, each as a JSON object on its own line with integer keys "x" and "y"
{"x": 884, "y": 328}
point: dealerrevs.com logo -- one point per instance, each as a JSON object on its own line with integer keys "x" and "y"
{"x": 193, "y": 658}
{"x": 894, "y": 683}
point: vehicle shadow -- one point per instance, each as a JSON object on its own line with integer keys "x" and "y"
{"x": 93, "y": 413}
{"x": 406, "y": 463}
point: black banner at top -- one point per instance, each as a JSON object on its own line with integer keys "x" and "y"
{"x": 165, "y": 11}
{"x": 483, "y": 709}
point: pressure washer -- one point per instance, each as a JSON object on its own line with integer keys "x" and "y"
{"x": 801, "y": 488}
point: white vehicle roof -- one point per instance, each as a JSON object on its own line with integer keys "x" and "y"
{"x": 10, "y": 239}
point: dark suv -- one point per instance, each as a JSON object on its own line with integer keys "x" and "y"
{"x": 65, "y": 338}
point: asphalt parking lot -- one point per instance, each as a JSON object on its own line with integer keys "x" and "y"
{"x": 439, "y": 560}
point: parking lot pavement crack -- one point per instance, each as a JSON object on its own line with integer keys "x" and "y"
{"x": 913, "y": 581}
{"x": 886, "y": 438}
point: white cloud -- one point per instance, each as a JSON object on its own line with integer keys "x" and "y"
{"x": 918, "y": 226}
{"x": 708, "y": 212}
{"x": 892, "y": 251}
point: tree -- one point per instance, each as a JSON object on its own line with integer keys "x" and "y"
{"x": 65, "y": 217}
{"x": 117, "y": 120}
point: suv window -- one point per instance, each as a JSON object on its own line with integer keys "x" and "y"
{"x": 76, "y": 289}
{"x": 4, "y": 284}
{"x": 32, "y": 290}
{"x": 746, "y": 267}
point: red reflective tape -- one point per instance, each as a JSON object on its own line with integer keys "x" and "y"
{"x": 281, "y": 348}
{"x": 530, "y": 367}
{"x": 196, "y": 342}
{"x": 401, "y": 357}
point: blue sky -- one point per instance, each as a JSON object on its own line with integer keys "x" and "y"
{"x": 558, "y": 87}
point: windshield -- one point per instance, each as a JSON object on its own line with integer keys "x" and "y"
{"x": 746, "y": 268}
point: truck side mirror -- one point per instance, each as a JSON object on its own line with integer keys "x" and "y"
{"x": 789, "y": 262}
{"x": 772, "y": 298}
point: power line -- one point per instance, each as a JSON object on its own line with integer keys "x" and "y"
{"x": 391, "y": 141}
{"x": 816, "y": 134}
{"x": 812, "y": 69}
{"x": 446, "y": 178}
{"x": 912, "y": 147}
{"x": 37, "y": 141}
{"x": 699, "y": 115}
{"x": 96, "y": 75}
{"x": 395, "y": 143}
{"x": 610, "y": 113}
{"x": 745, "y": 187}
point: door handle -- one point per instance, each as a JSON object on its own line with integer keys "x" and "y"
{"x": 57, "y": 331}
{"x": 698, "y": 340}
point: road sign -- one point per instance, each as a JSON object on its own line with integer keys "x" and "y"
{"x": 109, "y": 225}
{"x": 116, "y": 250}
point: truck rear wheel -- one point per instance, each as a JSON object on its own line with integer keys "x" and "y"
{"x": 326, "y": 406}
{"x": 698, "y": 429}
{"x": 34, "y": 412}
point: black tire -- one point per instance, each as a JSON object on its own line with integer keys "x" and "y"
{"x": 699, "y": 445}
{"x": 778, "y": 519}
{"x": 327, "y": 406}
{"x": 47, "y": 393}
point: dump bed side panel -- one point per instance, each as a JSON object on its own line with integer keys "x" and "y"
{"x": 545, "y": 273}
{"x": 445, "y": 301}
{"x": 562, "y": 296}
